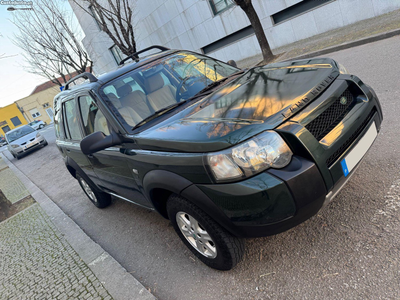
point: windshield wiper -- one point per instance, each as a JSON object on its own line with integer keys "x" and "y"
{"x": 215, "y": 83}
{"x": 158, "y": 113}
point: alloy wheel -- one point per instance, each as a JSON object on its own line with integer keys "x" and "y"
{"x": 196, "y": 235}
{"x": 88, "y": 190}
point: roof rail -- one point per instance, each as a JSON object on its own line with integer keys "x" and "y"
{"x": 86, "y": 75}
{"x": 162, "y": 48}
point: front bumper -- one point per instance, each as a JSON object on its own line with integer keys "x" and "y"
{"x": 271, "y": 202}
{"x": 38, "y": 142}
{"x": 277, "y": 200}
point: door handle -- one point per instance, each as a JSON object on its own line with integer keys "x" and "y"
{"x": 67, "y": 150}
{"x": 130, "y": 152}
{"x": 90, "y": 156}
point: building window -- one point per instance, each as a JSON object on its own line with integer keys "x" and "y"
{"x": 6, "y": 129}
{"x": 34, "y": 112}
{"x": 46, "y": 105}
{"x": 229, "y": 39}
{"x": 297, "y": 9}
{"x": 16, "y": 121}
{"x": 117, "y": 53}
{"x": 96, "y": 16}
{"x": 218, "y": 6}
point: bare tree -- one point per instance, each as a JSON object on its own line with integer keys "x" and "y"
{"x": 50, "y": 47}
{"x": 248, "y": 8}
{"x": 115, "y": 19}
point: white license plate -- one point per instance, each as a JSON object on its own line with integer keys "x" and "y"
{"x": 358, "y": 152}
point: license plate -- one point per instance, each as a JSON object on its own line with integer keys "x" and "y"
{"x": 358, "y": 152}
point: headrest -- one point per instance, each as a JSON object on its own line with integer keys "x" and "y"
{"x": 114, "y": 100}
{"x": 134, "y": 98}
{"x": 124, "y": 90}
{"x": 154, "y": 83}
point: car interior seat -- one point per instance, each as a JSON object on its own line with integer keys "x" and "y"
{"x": 136, "y": 100}
{"x": 158, "y": 94}
{"x": 129, "y": 115}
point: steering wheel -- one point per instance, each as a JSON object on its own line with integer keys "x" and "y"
{"x": 179, "y": 95}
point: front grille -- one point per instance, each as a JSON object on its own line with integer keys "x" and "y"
{"x": 331, "y": 117}
{"x": 350, "y": 140}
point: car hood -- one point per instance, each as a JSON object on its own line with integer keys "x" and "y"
{"x": 261, "y": 99}
{"x": 24, "y": 139}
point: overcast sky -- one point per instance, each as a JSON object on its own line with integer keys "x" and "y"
{"x": 15, "y": 82}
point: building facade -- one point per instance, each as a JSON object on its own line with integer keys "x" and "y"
{"x": 10, "y": 118}
{"x": 221, "y": 29}
{"x": 39, "y": 104}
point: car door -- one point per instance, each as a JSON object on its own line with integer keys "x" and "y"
{"x": 110, "y": 165}
{"x": 73, "y": 137}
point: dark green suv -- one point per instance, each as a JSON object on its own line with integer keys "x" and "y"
{"x": 223, "y": 153}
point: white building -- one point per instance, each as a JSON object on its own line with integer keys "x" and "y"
{"x": 221, "y": 29}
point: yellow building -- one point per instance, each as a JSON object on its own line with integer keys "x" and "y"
{"x": 10, "y": 118}
{"x": 39, "y": 104}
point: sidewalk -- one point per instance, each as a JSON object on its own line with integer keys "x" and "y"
{"x": 45, "y": 255}
{"x": 352, "y": 35}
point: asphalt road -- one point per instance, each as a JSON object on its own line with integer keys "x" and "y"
{"x": 350, "y": 250}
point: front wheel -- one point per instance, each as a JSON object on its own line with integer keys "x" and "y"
{"x": 211, "y": 243}
{"x": 99, "y": 199}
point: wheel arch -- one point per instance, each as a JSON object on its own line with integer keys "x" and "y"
{"x": 159, "y": 185}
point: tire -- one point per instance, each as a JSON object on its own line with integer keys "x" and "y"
{"x": 17, "y": 156}
{"x": 45, "y": 143}
{"x": 41, "y": 126}
{"x": 211, "y": 243}
{"x": 99, "y": 199}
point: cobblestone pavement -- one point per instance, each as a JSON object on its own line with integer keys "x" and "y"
{"x": 36, "y": 262}
{"x": 10, "y": 185}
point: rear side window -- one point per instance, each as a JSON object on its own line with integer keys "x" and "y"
{"x": 92, "y": 118}
{"x": 71, "y": 120}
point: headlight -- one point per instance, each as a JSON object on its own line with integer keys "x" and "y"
{"x": 342, "y": 69}
{"x": 37, "y": 135}
{"x": 267, "y": 150}
{"x": 15, "y": 146}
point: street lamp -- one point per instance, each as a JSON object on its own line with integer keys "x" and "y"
{"x": 22, "y": 8}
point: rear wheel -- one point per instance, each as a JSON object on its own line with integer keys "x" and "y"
{"x": 211, "y": 243}
{"x": 41, "y": 126}
{"x": 99, "y": 199}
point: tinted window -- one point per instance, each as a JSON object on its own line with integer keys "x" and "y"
{"x": 92, "y": 118}
{"x": 72, "y": 120}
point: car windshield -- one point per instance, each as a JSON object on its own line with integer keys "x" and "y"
{"x": 18, "y": 133}
{"x": 137, "y": 95}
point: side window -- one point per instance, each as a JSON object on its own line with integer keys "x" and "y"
{"x": 92, "y": 118}
{"x": 57, "y": 125}
{"x": 71, "y": 120}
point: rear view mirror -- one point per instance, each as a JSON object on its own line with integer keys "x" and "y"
{"x": 232, "y": 63}
{"x": 99, "y": 141}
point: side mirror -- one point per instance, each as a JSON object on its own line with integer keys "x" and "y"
{"x": 232, "y": 63}
{"x": 99, "y": 141}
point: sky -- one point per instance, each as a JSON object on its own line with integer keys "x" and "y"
{"x": 15, "y": 82}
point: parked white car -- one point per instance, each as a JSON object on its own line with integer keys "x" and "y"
{"x": 37, "y": 124}
{"x": 24, "y": 139}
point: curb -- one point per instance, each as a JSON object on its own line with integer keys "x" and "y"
{"x": 374, "y": 38}
{"x": 120, "y": 284}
